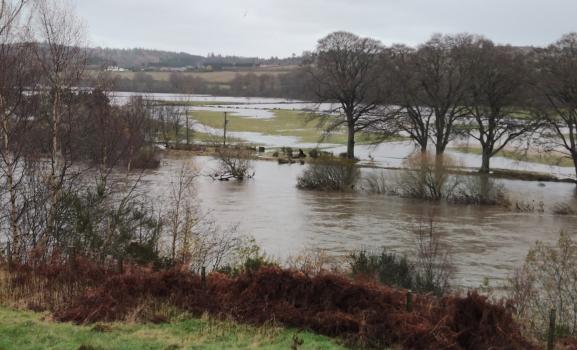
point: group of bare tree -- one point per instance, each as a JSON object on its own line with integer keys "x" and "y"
{"x": 450, "y": 86}
{"x": 69, "y": 157}
{"x": 51, "y": 131}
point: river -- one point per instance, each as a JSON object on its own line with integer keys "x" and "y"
{"x": 485, "y": 242}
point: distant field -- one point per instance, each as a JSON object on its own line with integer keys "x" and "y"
{"x": 220, "y": 77}
{"x": 284, "y": 123}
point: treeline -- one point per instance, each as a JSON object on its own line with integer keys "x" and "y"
{"x": 286, "y": 85}
{"x": 139, "y": 58}
{"x": 66, "y": 155}
{"x": 449, "y": 86}
{"x": 71, "y": 160}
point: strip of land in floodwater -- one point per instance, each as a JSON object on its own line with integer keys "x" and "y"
{"x": 547, "y": 158}
{"x": 284, "y": 123}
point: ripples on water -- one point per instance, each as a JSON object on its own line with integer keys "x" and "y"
{"x": 486, "y": 241}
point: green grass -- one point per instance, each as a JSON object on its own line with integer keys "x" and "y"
{"x": 550, "y": 158}
{"x": 284, "y": 123}
{"x": 204, "y": 137}
{"x": 25, "y": 330}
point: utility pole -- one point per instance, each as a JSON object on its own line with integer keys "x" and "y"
{"x": 225, "y": 124}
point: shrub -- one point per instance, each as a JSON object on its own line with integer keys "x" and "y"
{"x": 362, "y": 314}
{"x": 233, "y": 164}
{"x": 335, "y": 175}
{"x": 433, "y": 265}
{"x": 376, "y": 183}
{"x": 547, "y": 280}
{"x": 430, "y": 271}
{"x": 146, "y": 158}
{"x": 427, "y": 177}
{"x": 287, "y": 151}
{"x": 388, "y": 268}
{"x": 479, "y": 190}
{"x": 564, "y": 209}
{"x": 314, "y": 153}
{"x": 252, "y": 261}
{"x": 317, "y": 153}
{"x": 529, "y": 207}
{"x": 313, "y": 262}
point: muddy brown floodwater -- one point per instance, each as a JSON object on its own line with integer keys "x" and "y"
{"x": 486, "y": 242}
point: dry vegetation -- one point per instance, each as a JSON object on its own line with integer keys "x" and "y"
{"x": 360, "y": 313}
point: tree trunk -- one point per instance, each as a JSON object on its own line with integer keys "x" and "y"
{"x": 484, "y": 188}
{"x": 439, "y": 150}
{"x": 485, "y": 165}
{"x": 351, "y": 141}
{"x": 9, "y": 172}
{"x": 574, "y": 156}
{"x": 54, "y": 186}
{"x": 423, "y": 148}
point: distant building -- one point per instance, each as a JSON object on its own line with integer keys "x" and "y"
{"x": 114, "y": 69}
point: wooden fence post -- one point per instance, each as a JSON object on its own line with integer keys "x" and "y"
{"x": 409, "y": 301}
{"x": 203, "y": 277}
{"x": 551, "y": 333}
{"x": 9, "y": 256}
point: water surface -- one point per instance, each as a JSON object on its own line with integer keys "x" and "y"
{"x": 485, "y": 241}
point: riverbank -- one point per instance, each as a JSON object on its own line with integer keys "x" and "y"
{"x": 359, "y": 313}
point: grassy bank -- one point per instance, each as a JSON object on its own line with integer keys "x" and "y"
{"x": 25, "y": 330}
{"x": 284, "y": 123}
{"x": 551, "y": 158}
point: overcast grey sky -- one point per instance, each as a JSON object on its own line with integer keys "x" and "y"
{"x": 282, "y": 27}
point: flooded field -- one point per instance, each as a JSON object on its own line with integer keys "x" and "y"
{"x": 389, "y": 154}
{"x": 487, "y": 242}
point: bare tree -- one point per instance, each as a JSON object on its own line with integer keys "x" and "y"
{"x": 433, "y": 261}
{"x": 440, "y": 75}
{"x": 183, "y": 212}
{"x": 169, "y": 119}
{"x": 497, "y": 81}
{"x": 556, "y": 94}
{"x": 61, "y": 57}
{"x": 346, "y": 72}
{"x": 10, "y": 11}
{"x": 16, "y": 76}
{"x": 136, "y": 116}
{"x": 414, "y": 116}
{"x": 233, "y": 164}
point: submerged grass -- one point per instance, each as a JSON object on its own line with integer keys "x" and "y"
{"x": 28, "y": 330}
{"x": 284, "y": 123}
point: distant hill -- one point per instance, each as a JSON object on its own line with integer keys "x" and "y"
{"x": 155, "y": 59}
{"x": 141, "y": 58}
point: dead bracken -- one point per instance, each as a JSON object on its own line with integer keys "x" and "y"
{"x": 360, "y": 313}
